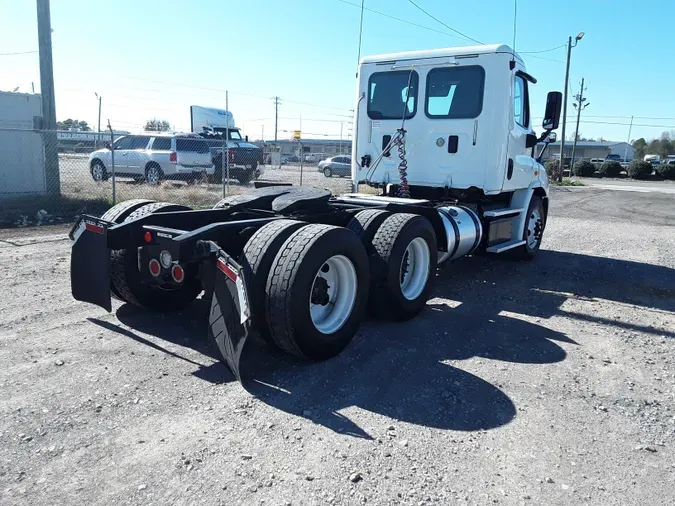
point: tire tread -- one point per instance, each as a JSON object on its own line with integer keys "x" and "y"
{"x": 279, "y": 282}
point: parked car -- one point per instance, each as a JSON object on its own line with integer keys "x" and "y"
{"x": 314, "y": 157}
{"x": 293, "y": 159}
{"x": 153, "y": 157}
{"x": 336, "y": 166}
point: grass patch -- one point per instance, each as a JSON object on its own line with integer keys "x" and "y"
{"x": 566, "y": 182}
{"x": 48, "y": 210}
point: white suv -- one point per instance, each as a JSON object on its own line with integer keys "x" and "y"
{"x": 153, "y": 157}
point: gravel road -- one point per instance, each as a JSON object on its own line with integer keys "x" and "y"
{"x": 550, "y": 382}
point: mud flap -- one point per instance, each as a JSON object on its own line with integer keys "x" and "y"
{"x": 229, "y": 317}
{"x": 90, "y": 262}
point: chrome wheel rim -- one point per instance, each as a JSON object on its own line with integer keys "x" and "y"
{"x": 333, "y": 294}
{"x": 327, "y": 172}
{"x": 415, "y": 268}
{"x": 153, "y": 175}
{"x": 534, "y": 226}
{"x": 97, "y": 172}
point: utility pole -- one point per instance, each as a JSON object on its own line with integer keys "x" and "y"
{"x": 567, "y": 80}
{"x": 625, "y": 151}
{"x": 52, "y": 176}
{"x": 276, "y": 118}
{"x": 579, "y": 105}
{"x": 340, "y": 137}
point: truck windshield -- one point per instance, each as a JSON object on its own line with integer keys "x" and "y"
{"x": 387, "y": 93}
{"x": 235, "y": 135}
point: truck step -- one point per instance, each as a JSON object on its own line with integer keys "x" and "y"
{"x": 505, "y": 246}
{"x": 494, "y": 213}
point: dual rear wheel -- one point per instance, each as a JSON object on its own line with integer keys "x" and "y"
{"x": 311, "y": 285}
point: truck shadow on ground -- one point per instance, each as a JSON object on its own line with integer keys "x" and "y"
{"x": 495, "y": 310}
{"x": 408, "y": 371}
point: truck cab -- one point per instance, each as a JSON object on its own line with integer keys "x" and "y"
{"x": 465, "y": 118}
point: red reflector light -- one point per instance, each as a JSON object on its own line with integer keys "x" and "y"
{"x": 155, "y": 268}
{"x": 92, "y": 227}
{"x": 230, "y": 156}
{"x": 173, "y": 157}
{"x": 177, "y": 273}
{"x": 226, "y": 269}
{"x": 147, "y": 237}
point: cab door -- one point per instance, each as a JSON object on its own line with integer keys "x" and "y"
{"x": 520, "y": 164}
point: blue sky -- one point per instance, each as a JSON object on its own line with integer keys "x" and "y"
{"x": 155, "y": 58}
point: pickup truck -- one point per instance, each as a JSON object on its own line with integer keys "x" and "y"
{"x": 245, "y": 160}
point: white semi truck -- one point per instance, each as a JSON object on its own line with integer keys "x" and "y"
{"x": 446, "y": 136}
{"x": 244, "y": 160}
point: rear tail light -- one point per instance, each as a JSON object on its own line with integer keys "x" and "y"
{"x": 173, "y": 157}
{"x": 155, "y": 268}
{"x": 147, "y": 237}
{"x": 230, "y": 156}
{"x": 177, "y": 273}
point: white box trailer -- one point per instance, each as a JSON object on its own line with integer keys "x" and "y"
{"x": 447, "y": 138}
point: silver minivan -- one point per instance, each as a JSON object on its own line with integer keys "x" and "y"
{"x": 153, "y": 157}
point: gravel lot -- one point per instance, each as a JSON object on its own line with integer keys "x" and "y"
{"x": 551, "y": 382}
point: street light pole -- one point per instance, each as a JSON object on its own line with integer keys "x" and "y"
{"x": 98, "y": 140}
{"x": 567, "y": 79}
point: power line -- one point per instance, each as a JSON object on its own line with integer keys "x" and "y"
{"x": 233, "y": 92}
{"x": 447, "y": 26}
{"x": 398, "y": 19}
{"x": 627, "y": 124}
{"x": 545, "y": 59}
{"x": 18, "y": 53}
{"x": 543, "y": 50}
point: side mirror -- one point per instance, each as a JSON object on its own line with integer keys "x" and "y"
{"x": 552, "y": 114}
{"x": 531, "y": 141}
{"x": 247, "y": 138}
{"x": 108, "y": 145}
{"x": 552, "y": 137}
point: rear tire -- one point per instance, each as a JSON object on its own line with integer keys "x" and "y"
{"x": 365, "y": 224}
{"x": 307, "y": 317}
{"x": 244, "y": 176}
{"x": 126, "y": 278}
{"x": 403, "y": 266}
{"x": 117, "y": 214}
{"x": 256, "y": 260}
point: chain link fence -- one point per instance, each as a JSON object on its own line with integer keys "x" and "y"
{"x": 49, "y": 178}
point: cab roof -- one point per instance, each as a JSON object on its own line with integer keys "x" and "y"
{"x": 441, "y": 53}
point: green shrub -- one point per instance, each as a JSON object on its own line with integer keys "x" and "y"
{"x": 552, "y": 168}
{"x": 583, "y": 168}
{"x": 610, "y": 168}
{"x": 666, "y": 171}
{"x": 638, "y": 169}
